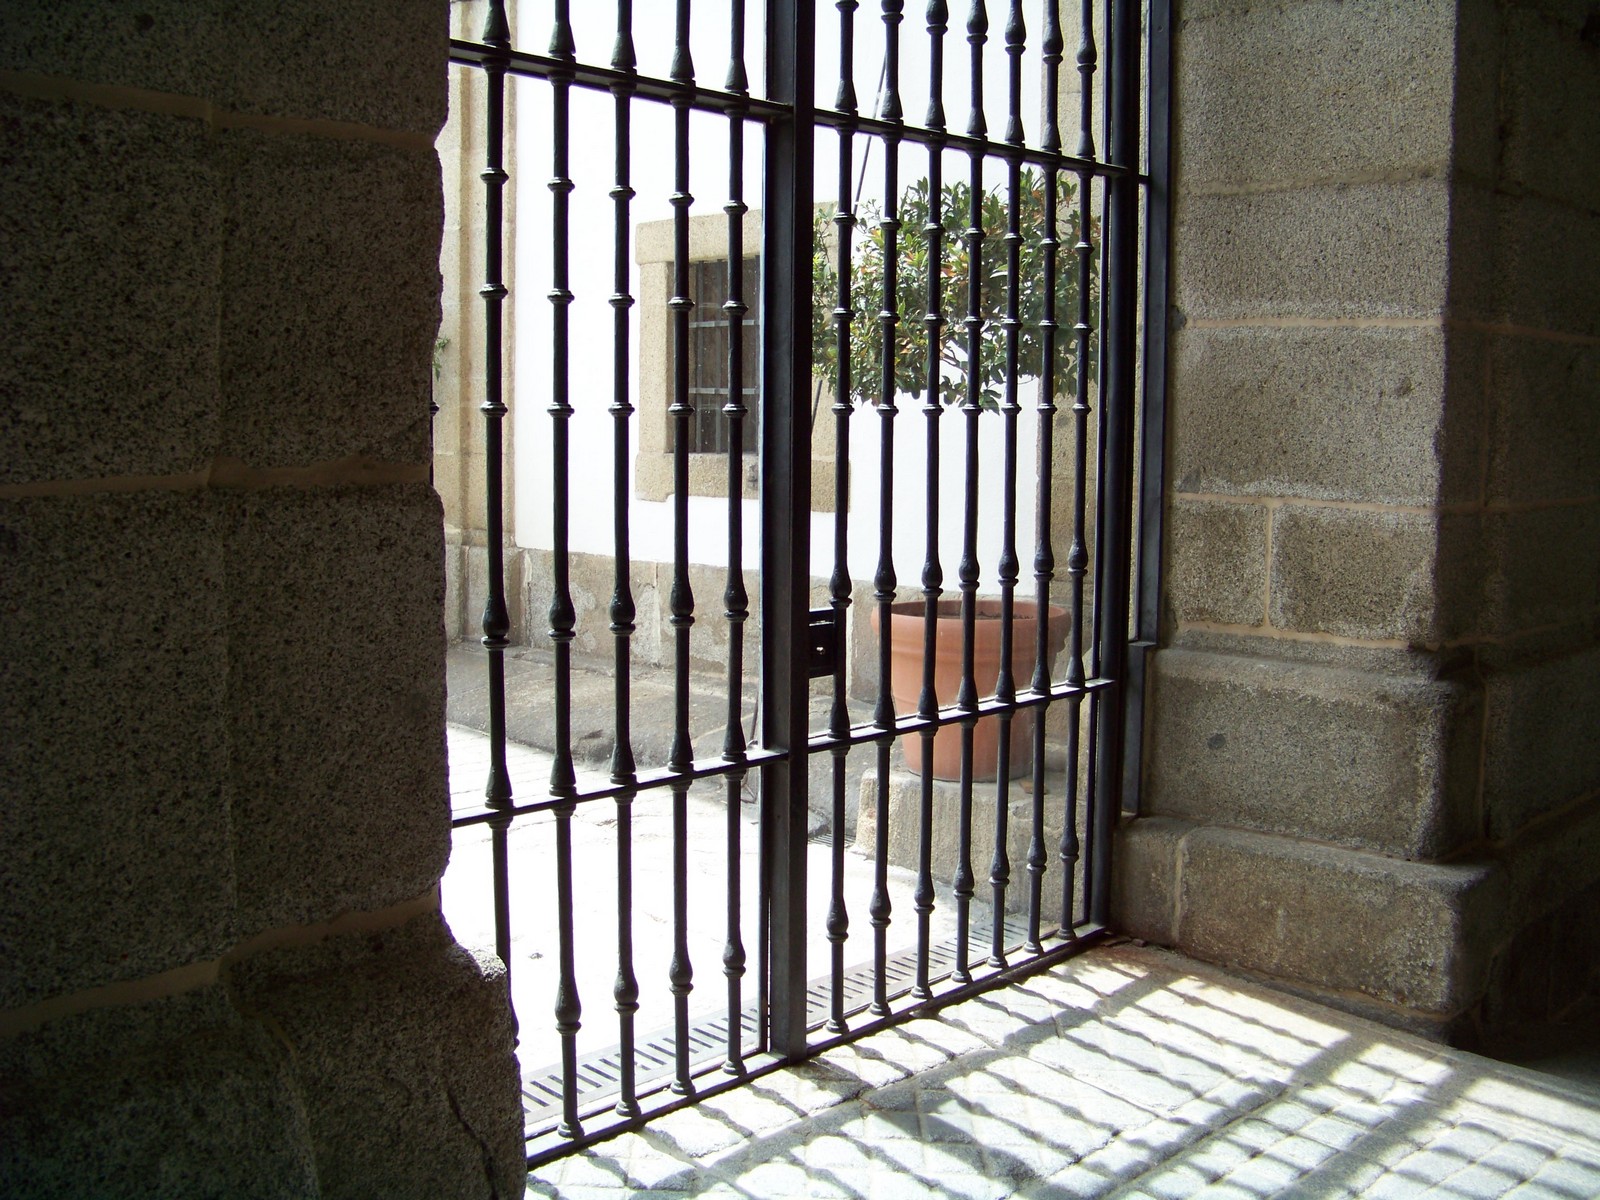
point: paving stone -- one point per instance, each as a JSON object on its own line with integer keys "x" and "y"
{"x": 1340, "y": 1108}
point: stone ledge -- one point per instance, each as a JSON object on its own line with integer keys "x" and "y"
{"x": 402, "y": 1044}
{"x": 1398, "y": 933}
{"x": 1381, "y": 759}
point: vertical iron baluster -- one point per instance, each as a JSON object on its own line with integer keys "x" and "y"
{"x": 563, "y": 618}
{"x": 496, "y": 620}
{"x": 788, "y": 236}
{"x": 681, "y": 756}
{"x": 839, "y": 585}
{"x": 967, "y": 697}
{"x": 1112, "y": 583}
{"x": 1044, "y": 563}
{"x": 1078, "y": 555}
{"x": 1010, "y": 567}
{"x": 736, "y": 600}
{"x": 884, "y": 581}
{"x": 938, "y": 16}
{"x": 623, "y": 613}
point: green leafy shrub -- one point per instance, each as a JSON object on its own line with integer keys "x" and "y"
{"x": 868, "y": 261}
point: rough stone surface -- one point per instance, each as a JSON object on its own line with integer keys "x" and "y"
{"x": 371, "y": 62}
{"x": 1322, "y": 414}
{"x": 1544, "y": 442}
{"x": 1144, "y": 878}
{"x": 1541, "y": 568}
{"x": 1409, "y": 934}
{"x": 114, "y": 754}
{"x": 1534, "y": 272}
{"x": 1373, "y": 574}
{"x": 128, "y": 384}
{"x": 1217, "y": 559}
{"x": 335, "y": 699}
{"x": 1371, "y": 91}
{"x": 1357, "y": 250}
{"x": 1542, "y": 739}
{"x": 328, "y": 312}
{"x": 1551, "y": 134}
{"x": 176, "y": 1097}
{"x": 402, "y": 1047}
{"x": 1370, "y": 759}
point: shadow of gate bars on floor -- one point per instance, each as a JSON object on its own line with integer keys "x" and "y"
{"x": 1006, "y": 289}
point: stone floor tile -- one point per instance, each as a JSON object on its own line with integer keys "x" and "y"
{"x": 1262, "y": 1175}
{"x": 1301, "y": 1152}
{"x": 1177, "y": 1181}
{"x": 1161, "y": 1085}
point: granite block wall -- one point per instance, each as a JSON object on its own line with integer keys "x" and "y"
{"x": 1373, "y": 716}
{"x": 222, "y": 589}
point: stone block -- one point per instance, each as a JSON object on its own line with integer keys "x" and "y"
{"x": 335, "y": 699}
{"x": 1544, "y": 441}
{"x": 373, "y": 63}
{"x": 1145, "y": 878}
{"x": 176, "y": 1097}
{"x": 1354, "y": 90}
{"x": 112, "y": 339}
{"x": 1217, "y": 562}
{"x": 114, "y": 754}
{"x": 1349, "y": 250}
{"x": 362, "y": 1013}
{"x": 1381, "y": 760}
{"x": 1528, "y": 264}
{"x": 1409, "y": 934}
{"x": 1550, "y": 106}
{"x": 1374, "y": 573}
{"x": 1541, "y": 739}
{"x": 1326, "y": 414}
{"x": 329, "y": 312}
{"x": 1539, "y": 567}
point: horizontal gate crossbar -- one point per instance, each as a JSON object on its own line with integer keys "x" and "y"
{"x": 662, "y": 777}
{"x": 704, "y": 99}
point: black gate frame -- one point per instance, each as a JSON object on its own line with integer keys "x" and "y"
{"x": 1128, "y": 541}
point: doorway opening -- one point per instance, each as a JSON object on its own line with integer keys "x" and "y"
{"x": 758, "y": 398}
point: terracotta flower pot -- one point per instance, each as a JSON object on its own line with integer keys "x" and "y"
{"x": 905, "y": 678}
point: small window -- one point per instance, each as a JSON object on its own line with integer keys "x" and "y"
{"x": 709, "y": 344}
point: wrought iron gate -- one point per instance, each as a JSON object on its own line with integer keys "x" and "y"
{"x": 965, "y": 280}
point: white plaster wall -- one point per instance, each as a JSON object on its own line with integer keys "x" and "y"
{"x": 591, "y": 320}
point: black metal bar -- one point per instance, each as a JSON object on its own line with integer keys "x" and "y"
{"x": 563, "y": 617}
{"x": 680, "y": 972}
{"x": 1122, "y": 264}
{"x": 971, "y": 404}
{"x": 623, "y": 611}
{"x": 839, "y": 583}
{"x": 1044, "y": 561}
{"x": 663, "y": 91}
{"x": 1152, "y": 466}
{"x": 938, "y": 18}
{"x": 1010, "y": 566}
{"x": 1077, "y": 555}
{"x": 785, "y": 506}
{"x": 736, "y": 600}
{"x": 884, "y": 581}
{"x": 496, "y": 619}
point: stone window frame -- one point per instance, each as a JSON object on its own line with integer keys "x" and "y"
{"x": 708, "y": 473}
{"x": 653, "y": 251}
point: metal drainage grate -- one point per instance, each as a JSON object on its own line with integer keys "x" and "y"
{"x": 599, "y": 1074}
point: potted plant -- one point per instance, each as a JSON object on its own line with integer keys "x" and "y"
{"x": 868, "y": 263}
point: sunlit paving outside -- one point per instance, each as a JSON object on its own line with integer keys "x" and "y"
{"x": 1126, "y": 1072}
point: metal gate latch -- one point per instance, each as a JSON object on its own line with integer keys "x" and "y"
{"x": 824, "y": 640}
